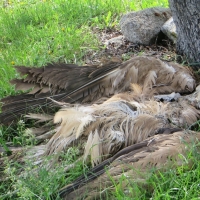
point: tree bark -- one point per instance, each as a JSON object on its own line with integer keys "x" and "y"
{"x": 186, "y": 15}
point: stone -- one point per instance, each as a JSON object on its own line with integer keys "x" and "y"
{"x": 169, "y": 29}
{"x": 142, "y": 27}
{"x": 116, "y": 41}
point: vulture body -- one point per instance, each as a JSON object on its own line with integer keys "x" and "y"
{"x": 107, "y": 109}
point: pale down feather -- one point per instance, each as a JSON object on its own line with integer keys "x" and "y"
{"x": 116, "y": 124}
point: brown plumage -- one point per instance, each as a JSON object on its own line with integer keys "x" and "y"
{"x": 75, "y": 84}
{"x": 134, "y": 162}
{"x": 107, "y": 108}
{"x": 116, "y": 124}
{"x": 128, "y": 117}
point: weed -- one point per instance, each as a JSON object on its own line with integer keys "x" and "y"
{"x": 31, "y": 181}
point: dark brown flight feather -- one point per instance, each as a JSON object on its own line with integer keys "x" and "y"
{"x": 75, "y": 84}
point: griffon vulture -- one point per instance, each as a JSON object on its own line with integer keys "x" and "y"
{"x": 107, "y": 108}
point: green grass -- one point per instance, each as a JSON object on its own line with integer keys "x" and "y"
{"x": 175, "y": 183}
{"x": 181, "y": 182}
{"x": 40, "y": 182}
{"x": 35, "y": 32}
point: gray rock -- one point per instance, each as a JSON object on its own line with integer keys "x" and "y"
{"x": 169, "y": 29}
{"x": 143, "y": 26}
{"x": 116, "y": 41}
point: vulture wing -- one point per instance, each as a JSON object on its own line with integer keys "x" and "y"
{"x": 72, "y": 84}
{"x": 61, "y": 82}
{"x": 134, "y": 161}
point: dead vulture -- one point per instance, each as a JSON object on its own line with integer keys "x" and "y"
{"x": 108, "y": 108}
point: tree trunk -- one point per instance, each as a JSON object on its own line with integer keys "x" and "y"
{"x": 186, "y": 15}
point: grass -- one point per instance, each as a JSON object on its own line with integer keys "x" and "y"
{"x": 39, "y": 182}
{"x": 34, "y": 33}
{"x": 174, "y": 183}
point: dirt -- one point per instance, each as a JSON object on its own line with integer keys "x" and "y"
{"x": 163, "y": 48}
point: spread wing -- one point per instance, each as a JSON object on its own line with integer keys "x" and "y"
{"x": 72, "y": 83}
{"x": 61, "y": 82}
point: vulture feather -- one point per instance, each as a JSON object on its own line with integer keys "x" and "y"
{"x": 87, "y": 84}
{"x": 134, "y": 162}
{"x": 116, "y": 124}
